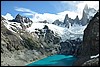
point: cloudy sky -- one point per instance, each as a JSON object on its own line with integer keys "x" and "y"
{"x": 46, "y": 10}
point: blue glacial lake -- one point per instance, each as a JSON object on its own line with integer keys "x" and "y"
{"x": 55, "y": 60}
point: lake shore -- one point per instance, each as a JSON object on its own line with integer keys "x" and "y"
{"x": 34, "y": 61}
{"x": 54, "y": 60}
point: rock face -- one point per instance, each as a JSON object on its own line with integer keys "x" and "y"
{"x": 91, "y": 37}
{"x": 70, "y": 47}
{"x": 66, "y": 21}
{"x": 22, "y": 19}
{"x": 46, "y": 35}
{"x": 87, "y": 15}
{"x": 84, "y": 17}
{"x": 24, "y": 22}
{"x": 90, "y": 45}
{"x": 21, "y": 47}
{"x": 76, "y": 20}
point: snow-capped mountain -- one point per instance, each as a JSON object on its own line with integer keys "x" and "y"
{"x": 64, "y": 33}
{"x": 22, "y": 19}
{"x": 8, "y": 16}
{"x": 45, "y": 39}
{"x": 88, "y": 13}
{"x": 68, "y": 29}
{"x": 17, "y": 24}
{"x": 22, "y": 23}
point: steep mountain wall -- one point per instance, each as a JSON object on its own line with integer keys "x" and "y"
{"x": 91, "y": 37}
{"x": 90, "y": 45}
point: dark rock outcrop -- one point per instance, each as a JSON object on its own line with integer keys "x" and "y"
{"x": 90, "y": 45}
{"x": 48, "y": 36}
{"x": 22, "y": 19}
{"x": 70, "y": 47}
{"x": 66, "y": 23}
{"x": 25, "y": 22}
{"x": 76, "y": 20}
{"x": 91, "y": 37}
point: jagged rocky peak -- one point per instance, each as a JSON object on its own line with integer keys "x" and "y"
{"x": 84, "y": 16}
{"x": 22, "y": 19}
{"x": 85, "y": 8}
{"x": 76, "y": 20}
{"x": 66, "y": 18}
{"x": 18, "y": 18}
{"x": 66, "y": 21}
{"x": 77, "y": 17}
{"x": 88, "y": 13}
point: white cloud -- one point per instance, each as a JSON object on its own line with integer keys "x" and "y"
{"x": 8, "y": 16}
{"x": 40, "y": 17}
{"x": 91, "y": 4}
{"x": 79, "y": 5}
{"x": 47, "y": 16}
{"x": 24, "y": 10}
{"x": 28, "y": 14}
{"x": 70, "y": 2}
{"x": 71, "y": 14}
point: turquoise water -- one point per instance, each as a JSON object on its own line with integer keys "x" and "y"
{"x": 55, "y": 60}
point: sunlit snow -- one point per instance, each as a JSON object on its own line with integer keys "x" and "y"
{"x": 95, "y": 56}
{"x": 65, "y": 33}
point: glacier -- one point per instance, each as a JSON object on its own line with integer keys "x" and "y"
{"x": 73, "y": 32}
{"x": 65, "y": 33}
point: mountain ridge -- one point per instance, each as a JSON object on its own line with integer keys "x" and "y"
{"x": 24, "y": 41}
